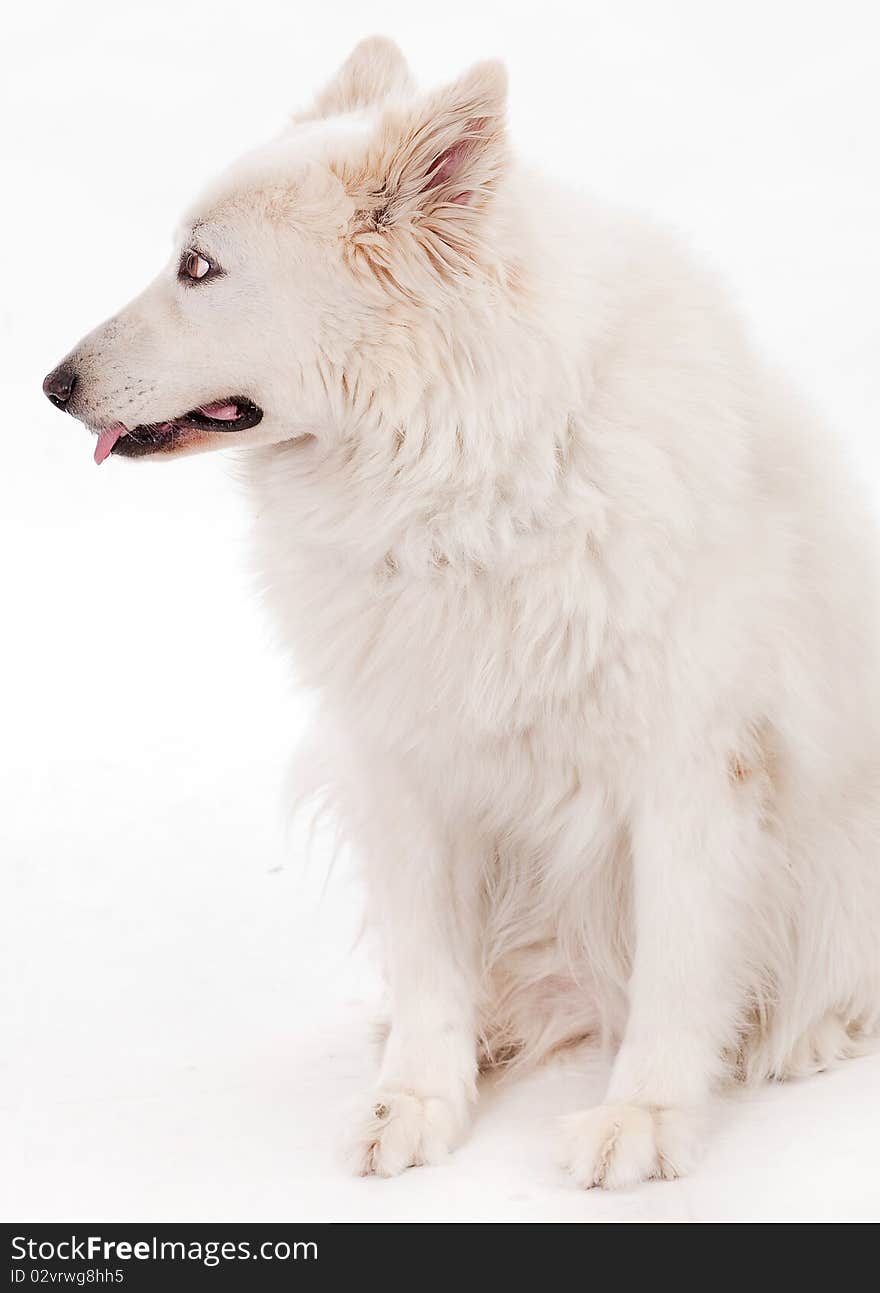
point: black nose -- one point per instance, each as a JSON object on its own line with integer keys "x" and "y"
{"x": 58, "y": 386}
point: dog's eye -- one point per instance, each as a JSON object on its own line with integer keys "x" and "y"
{"x": 195, "y": 266}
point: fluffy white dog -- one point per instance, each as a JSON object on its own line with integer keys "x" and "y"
{"x": 591, "y": 607}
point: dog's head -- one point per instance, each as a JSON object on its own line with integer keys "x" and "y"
{"x": 301, "y": 282}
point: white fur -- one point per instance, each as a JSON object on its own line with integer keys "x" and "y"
{"x": 590, "y": 605}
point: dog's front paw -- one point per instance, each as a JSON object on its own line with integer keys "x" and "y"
{"x": 616, "y": 1145}
{"x": 403, "y": 1129}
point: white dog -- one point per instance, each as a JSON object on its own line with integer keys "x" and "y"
{"x": 591, "y": 607}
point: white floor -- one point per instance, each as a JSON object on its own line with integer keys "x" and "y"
{"x": 183, "y": 1019}
{"x": 190, "y": 1029}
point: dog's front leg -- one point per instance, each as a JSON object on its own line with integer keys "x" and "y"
{"x": 696, "y": 837}
{"x": 426, "y": 902}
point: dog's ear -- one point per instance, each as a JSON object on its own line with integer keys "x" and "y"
{"x": 374, "y": 70}
{"x": 437, "y": 164}
{"x": 423, "y": 189}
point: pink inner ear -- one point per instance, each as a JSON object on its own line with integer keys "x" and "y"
{"x": 448, "y": 165}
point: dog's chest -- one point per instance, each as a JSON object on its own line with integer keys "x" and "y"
{"x": 523, "y": 667}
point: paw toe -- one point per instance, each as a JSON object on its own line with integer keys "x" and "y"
{"x": 618, "y": 1145}
{"x": 403, "y": 1130}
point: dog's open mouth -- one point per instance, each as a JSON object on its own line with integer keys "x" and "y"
{"x": 233, "y": 414}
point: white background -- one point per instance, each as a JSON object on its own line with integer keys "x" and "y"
{"x": 185, "y": 1021}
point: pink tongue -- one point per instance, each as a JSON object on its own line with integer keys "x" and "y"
{"x": 106, "y": 440}
{"x": 220, "y": 411}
